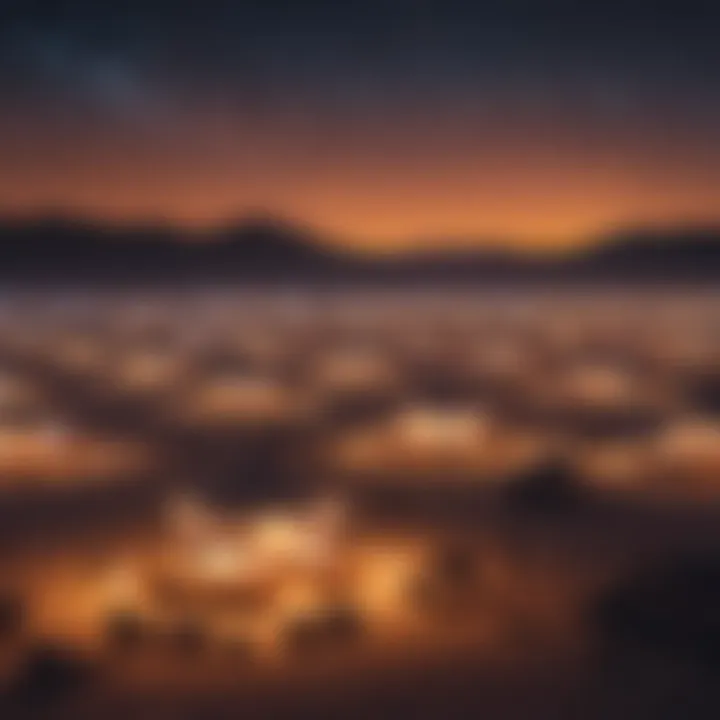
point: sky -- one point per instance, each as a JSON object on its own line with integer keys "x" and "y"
{"x": 385, "y": 124}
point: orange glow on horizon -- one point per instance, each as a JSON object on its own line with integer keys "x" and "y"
{"x": 386, "y": 187}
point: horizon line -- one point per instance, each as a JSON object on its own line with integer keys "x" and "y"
{"x": 428, "y": 243}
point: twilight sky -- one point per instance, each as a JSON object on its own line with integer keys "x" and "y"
{"x": 386, "y": 123}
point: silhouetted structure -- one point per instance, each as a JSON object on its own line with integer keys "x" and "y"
{"x": 49, "y": 675}
{"x": 672, "y": 612}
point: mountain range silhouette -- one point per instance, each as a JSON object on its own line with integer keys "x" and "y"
{"x": 266, "y": 249}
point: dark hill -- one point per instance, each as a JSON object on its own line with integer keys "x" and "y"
{"x": 679, "y": 253}
{"x": 63, "y": 250}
